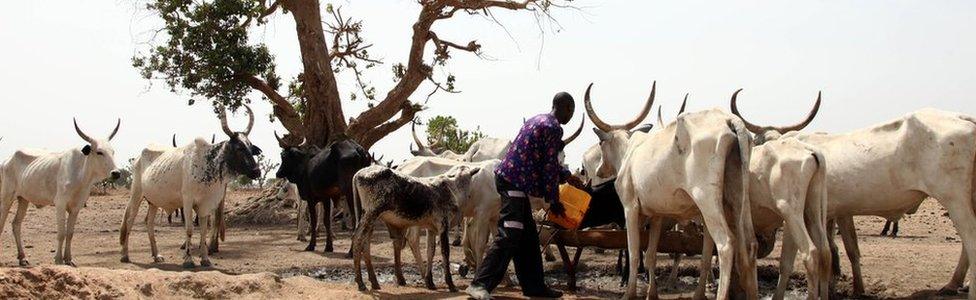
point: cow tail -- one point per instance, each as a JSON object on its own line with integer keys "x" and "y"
{"x": 135, "y": 199}
{"x": 745, "y": 237}
{"x": 356, "y": 200}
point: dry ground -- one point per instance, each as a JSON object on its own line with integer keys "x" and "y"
{"x": 913, "y": 265}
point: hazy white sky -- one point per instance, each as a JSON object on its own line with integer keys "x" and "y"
{"x": 873, "y": 60}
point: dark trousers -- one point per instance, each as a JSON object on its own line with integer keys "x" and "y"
{"x": 513, "y": 243}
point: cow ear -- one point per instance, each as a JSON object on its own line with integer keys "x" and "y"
{"x": 604, "y": 136}
{"x": 86, "y": 150}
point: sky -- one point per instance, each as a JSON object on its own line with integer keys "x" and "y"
{"x": 873, "y": 60}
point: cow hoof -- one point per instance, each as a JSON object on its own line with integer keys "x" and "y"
{"x": 158, "y": 259}
{"x": 463, "y": 271}
{"x": 125, "y": 259}
{"x": 70, "y": 264}
{"x": 206, "y": 263}
{"x": 310, "y": 248}
{"x": 401, "y": 282}
{"x": 24, "y": 263}
{"x": 189, "y": 265}
{"x": 375, "y": 286}
{"x": 362, "y": 287}
{"x": 328, "y": 248}
{"x": 948, "y": 292}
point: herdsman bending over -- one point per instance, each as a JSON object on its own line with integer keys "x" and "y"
{"x": 531, "y": 168}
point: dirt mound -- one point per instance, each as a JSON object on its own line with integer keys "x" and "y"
{"x": 266, "y": 208}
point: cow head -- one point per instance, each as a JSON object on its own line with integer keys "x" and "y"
{"x": 238, "y": 151}
{"x": 614, "y": 139}
{"x": 459, "y": 179}
{"x": 769, "y": 133}
{"x": 99, "y": 155}
{"x": 422, "y": 150}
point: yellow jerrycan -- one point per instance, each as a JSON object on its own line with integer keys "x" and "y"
{"x": 576, "y": 202}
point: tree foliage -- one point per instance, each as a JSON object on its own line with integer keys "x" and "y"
{"x": 443, "y": 134}
{"x": 203, "y": 48}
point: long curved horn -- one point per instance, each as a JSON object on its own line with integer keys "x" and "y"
{"x": 734, "y": 107}
{"x": 571, "y": 138}
{"x": 626, "y": 126}
{"x": 174, "y": 140}
{"x": 222, "y": 115}
{"x": 81, "y": 133}
{"x": 810, "y": 116}
{"x": 250, "y": 121}
{"x": 416, "y": 140}
{"x": 116, "y": 130}
{"x": 756, "y": 129}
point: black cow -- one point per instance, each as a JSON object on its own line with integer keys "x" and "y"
{"x": 322, "y": 175}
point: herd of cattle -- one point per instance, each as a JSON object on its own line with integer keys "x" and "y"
{"x": 742, "y": 182}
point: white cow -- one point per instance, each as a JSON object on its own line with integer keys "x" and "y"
{"x": 696, "y": 166}
{"x": 888, "y": 169}
{"x": 482, "y": 149}
{"x": 787, "y": 184}
{"x": 193, "y": 177}
{"x": 62, "y": 179}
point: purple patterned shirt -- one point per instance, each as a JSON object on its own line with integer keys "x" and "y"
{"x": 532, "y": 163}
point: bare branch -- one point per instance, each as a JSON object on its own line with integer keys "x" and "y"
{"x": 289, "y": 118}
{"x": 407, "y": 113}
{"x": 265, "y": 12}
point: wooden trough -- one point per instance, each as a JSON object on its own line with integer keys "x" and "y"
{"x": 671, "y": 242}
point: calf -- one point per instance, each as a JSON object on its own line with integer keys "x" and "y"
{"x": 193, "y": 177}
{"x": 402, "y": 201}
{"x": 62, "y": 179}
{"x": 322, "y": 175}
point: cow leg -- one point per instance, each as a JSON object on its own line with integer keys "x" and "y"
{"x": 129, "y": 219}
{"x": 17, "y": 225}
{"x": 302, "y": 220}
{"x": 719, "y": 229}
{"x": 446, "y": 253}
{"x": 398, "y": 241}
{"x": 849, "y": 235}
{"x": 69, "y": 235}
{"x": 431, "y": 249}
{"x": 313, "y": 224}
{"x": 205, "y": 225}
{"x": 373, "y": 282}
{"x": 958, "y": 276}
{"x": 151, "y": 229}
{"x": 413, "y": 241}
{"x": 894, "y": 230}
{"x": 217, "y": 226}
{"x": 650, "y": 258}
{"x": 460, "y": 230}
{"x": 358, "y": 242}
{"x": 5, "y": 203}
{"x": 327, "y": 222}
{"x": 675, "y": 268}
{"x": 887, "y": 225}
{"x": 187, "y": 257}
{"x": 632, "y": 217}
{"x": 705, "y": 265}
{"x": 961, "y": 212}
{"x": 787, "y": 257}
{"x": 60, "y": 216}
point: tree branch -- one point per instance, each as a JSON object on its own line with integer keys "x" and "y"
{"x": 265, "y": 12}
{"x": 407, "y": 114}
{"x": 289, "y": 118}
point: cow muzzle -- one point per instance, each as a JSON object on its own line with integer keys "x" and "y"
{"x": 115, "y": 174}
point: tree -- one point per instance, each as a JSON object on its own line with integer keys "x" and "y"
{"x": 443, "y": 134}
{"x": 267, "y": 166}
{"x": 206, "y": 51}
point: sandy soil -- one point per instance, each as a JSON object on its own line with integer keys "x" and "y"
{"x": 913, "y": 265}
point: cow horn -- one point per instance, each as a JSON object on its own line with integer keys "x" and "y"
{"x": 756, "y": 129}
{"x": 213, "y": 138}
{"x": 222, "y": 115}
{"x": 801, "y": 125}
{"x": 783, "y": 129}
{"x": 626, "y": 126}
{"x": 660, "y": 122}
{"x": 116, "y": 130}
{"x": 174, "y": 140}
{"x": 683, "y": 103}
{"x": 416, "y": 140}
{"x": 250, "y": 120}
{"x": 579, "y": 130}
{"x": 82, "y": 133}
{"x": 281, "y": 143}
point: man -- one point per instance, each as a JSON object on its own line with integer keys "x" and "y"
{"x": 531, "y": 168}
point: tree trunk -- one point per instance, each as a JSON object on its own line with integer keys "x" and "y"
{"x": 324, "y": 119}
